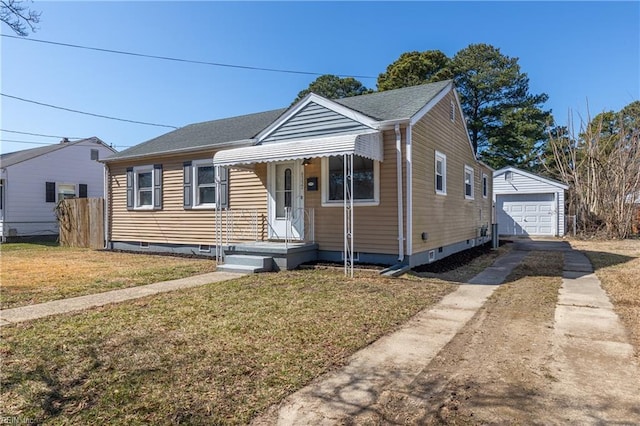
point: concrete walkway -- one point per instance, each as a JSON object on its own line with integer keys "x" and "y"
{"x": 395, "y": 359}
{"x": 41, "y": 310}
{"x": 588, "y": 339}
{"x": 598, "y": 378}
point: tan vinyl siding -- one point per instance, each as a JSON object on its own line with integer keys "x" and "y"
{"x": 450, "y": 218}
{"x": 375, "y": 227}
{"x": 173, "y": 224}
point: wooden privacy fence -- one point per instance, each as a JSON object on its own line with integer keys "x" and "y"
{"x": 81, "y": 222}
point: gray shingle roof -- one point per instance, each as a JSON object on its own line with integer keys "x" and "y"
{"x": 201, "y": 135}
{"x": 394, "y": 104}
{"x": 389, "y": 105}
{"x": 12, "y": 158}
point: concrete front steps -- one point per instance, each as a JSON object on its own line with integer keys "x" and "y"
{"x": 246, "y": 264}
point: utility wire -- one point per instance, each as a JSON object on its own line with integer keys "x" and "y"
{"x": 38, "y": 134}
{"x": 87, "y": 113}
{"x": 31, "y": 142}
{"x": 167, "y": 58}
{"x": 53, "y": 143}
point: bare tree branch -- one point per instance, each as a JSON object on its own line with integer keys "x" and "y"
{"x": 18, "y": 16}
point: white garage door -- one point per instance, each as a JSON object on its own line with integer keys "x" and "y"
{"x": 526, "y": 214}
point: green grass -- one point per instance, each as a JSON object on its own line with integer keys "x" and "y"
{"x": 218, "y": 354}
{"x": 36, "y": 273}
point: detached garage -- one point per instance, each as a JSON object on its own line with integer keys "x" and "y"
{"x": 527, "y": 204}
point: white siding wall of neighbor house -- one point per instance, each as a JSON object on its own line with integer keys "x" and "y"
{"x": 26, "y": 212}
{"x": 528, "y": 205}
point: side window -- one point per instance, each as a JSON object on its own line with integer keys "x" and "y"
{"x": 468, "y": 182}
{"x": 50, "y": 192}
{"x": 485, "y": 185}
{"x": 441, "y": 173}
{"x": 66, "y": 190}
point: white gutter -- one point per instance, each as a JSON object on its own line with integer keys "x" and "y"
{"x": 409, "y": 194}
{"x": 243, "y": 142}
{"x": 399, "y": 183}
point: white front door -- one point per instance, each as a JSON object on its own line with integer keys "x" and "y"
{"x": 286, "y": 202}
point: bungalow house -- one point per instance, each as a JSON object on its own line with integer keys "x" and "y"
{"x": 33, "y": 180}
{"x": 387, "y": 178}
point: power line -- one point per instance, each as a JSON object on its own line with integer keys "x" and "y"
{"x": 52, "y": 143}
{"x": 31, "y": 142}
{"x": 38, "y": 134}
{"x": 88, "y": 113}
{"x": 167, "y": 58}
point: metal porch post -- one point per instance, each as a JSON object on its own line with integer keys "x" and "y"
{"x": 348, "y": 213}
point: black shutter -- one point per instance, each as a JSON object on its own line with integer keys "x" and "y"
{"x": 157, "y": 186}
{"x": 50, "y": 192}
{"x": 82, "y": 190}
{"x": 187, "y": 185}
{"x": 130, "y": 188}
{"x": 224, "y": 187}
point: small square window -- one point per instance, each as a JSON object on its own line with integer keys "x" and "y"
{"x": 66, "y": 191}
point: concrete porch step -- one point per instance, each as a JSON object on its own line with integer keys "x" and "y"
{"x": 244, "y": 263}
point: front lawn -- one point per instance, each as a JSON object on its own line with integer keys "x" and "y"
{"x": 36, "y": 273}
{"x": 217, "y": 354}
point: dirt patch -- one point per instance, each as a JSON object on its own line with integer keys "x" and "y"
{"x": 495, "y": 369}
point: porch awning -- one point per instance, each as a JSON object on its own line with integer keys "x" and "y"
{"x": 368, "y": 145}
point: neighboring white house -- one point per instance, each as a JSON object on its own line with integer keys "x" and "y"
{"x": 32, "y": 181}
{"x": 527, "y": 204}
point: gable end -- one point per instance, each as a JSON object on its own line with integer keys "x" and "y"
{"x": 315, "y": 120}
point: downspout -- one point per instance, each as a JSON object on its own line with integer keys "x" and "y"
{"x": 409, "y": 193}
{"x": 106, "y": 195}
{"x": 400, "y": 195}
{"x": 4, "y": 204}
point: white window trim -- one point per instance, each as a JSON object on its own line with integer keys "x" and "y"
{"x": 59, "y": 184}
{"x": 339, "y": 203}
{"x": 194, "y": 175}
{"x": 485, "y": 185}
{"x": 443, "y": 157}
{"x": 136, "y": 171}
{"x": 468, "y": 169}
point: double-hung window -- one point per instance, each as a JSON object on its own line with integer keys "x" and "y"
{"x": 366, "y": 181}
{"x": 204, "y": 184}
{"x": 144, "y": 187}
{"x": 199, "y": 183}
{"x": 468, "y": 182}
{"x": 441, "y": 173}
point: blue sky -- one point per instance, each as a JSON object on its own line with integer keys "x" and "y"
{"x": 576, "y": 52}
